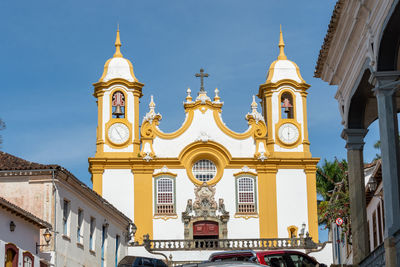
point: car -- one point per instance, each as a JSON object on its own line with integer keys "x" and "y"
{"x": 222, "y": 264}
{"x": 132, "y": 261}
{"x": 273, "y": 258}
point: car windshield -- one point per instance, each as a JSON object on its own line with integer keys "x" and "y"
{"x": 275, "y": 260}
{"x": 301, "y": 261}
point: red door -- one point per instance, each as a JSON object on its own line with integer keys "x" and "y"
{"x": 205, "y": 228}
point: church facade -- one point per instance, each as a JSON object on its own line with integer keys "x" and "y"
{"x": 205, "y": 180}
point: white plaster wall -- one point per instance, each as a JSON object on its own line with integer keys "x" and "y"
{"x": 130, "y": 115}
{"x": 118, "y": 189}
{"x": 371, "y": 208}
{"x": 225, "y": 188}
{"x": 203, "y": 123}
{"x": 72, "y": 253}
{"x": 291, "y": 188}
{"x": 25, "y": 234}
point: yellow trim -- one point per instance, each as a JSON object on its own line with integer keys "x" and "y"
{"x": 136, "y": 140}
{"x": 97, "y": 180}
{"x": 165, "y": 217}
{"x": 267, "y": 201}
{"x": 281, "y": 143}
{"x": 290, "y": 232}
{"x": 293, "y": 94}
{"x": 312, "y": 202}
{"x": 100, "y": 85}
{"x": 113, "y": 91}
{"x": 245, "y": 173}
{"x": 213, "y": 151}
{"x": 164, "y": 174}
{"x": 245, "y": 216}
{"x": 257, "y": 129}
{"x": 127, "y": 124}
{"x": 100, "y": 140}
{"x": 143, "y": 203}
{"x": 306, "y": 142}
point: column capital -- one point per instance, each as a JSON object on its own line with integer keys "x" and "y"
{"x": 385, "y": 82}
{"x": 354, "y": 138}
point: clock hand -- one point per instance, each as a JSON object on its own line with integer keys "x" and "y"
{"x": 116, "y": 129}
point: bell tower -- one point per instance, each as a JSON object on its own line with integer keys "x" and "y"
{"x": 118, "y": 92}
{"x": 283, "y": 98}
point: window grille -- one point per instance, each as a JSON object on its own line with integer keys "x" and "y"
{"x": 165, "y": 196}
{"x": 204, "y": 170}
{"x": 246, "y": 195}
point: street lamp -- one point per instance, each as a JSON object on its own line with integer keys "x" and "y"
{"x": 47, "y": 236}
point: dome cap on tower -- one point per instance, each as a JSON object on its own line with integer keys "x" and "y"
{"x": 282, "y": 68}
{"x": 118, "y": 66}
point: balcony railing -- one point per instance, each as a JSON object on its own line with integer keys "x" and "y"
{"x": 230, "y": 244}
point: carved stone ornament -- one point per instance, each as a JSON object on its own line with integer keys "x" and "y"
{"x": 205, "y": 208}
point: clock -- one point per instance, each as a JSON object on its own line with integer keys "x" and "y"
{"x": 288, "y": 133}
{"x": 118, "y": 133}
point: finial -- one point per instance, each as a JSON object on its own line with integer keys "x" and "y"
{"x": 216, "y": 97}
{"x": 254, "y": 104}
{"x": 188, "y": 97}
{"x": 117, "y": 45}
{"x": 152, "y": 105}
{"x": 282, "y": 55}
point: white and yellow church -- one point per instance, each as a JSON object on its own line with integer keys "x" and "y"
{"x": 205, "y": 180}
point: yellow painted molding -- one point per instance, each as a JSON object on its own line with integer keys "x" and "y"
{"x": 100, "y": 86}
{"x": 278, "y": 140}
{"x": 210, "y": 150}
{"x": 143, "y": 204}
{"x": 127, "y": 124}
{"x": 165, "y": 217}
{"x": 246, "y": 216}
{"x": 312, "y": 205}
{"x": 268, "y": 214}
{"x": 293, "y": 94}
{"x": 164, "y": 174}
{"x": 244, "y": 173}
{"x": 267, "y": 87}
{"x": 257, "y": 130}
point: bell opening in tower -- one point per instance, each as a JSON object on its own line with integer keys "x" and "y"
{"x": 118, "y": 105}
{"x": 287, "y": 106}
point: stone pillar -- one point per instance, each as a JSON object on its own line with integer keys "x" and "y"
{"x": 359, "y": 227}
{"x": 389, "y": 137}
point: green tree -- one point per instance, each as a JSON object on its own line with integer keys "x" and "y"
{"x": 332, "y": 186}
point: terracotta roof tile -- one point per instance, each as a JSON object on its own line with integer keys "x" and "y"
{"x": 10, "y": 162}
{"x": 323, "y": 53}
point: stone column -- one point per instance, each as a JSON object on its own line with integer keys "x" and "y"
{"x": 389, "y": 136}
{"x": 359, "y": 227}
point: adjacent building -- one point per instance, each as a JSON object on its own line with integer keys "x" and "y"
{"x": 361, "y": 55}
{"x": 20, "y": 236}
{"x": 86, "y": 229}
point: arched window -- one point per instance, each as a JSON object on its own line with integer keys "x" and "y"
{"x": 246, "y": 197}
{"x": 11, "y": 256}
{"x": 118, "y": 105}
{"x": 28, "y": 259}
{"x": 204, "y": 170}
{"x": 287, "y": 106}
{"x": 165, "y": 195}
{"x": 292, "y": 230}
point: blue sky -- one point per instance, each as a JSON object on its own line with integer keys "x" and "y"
{"x": 52, "y": 52}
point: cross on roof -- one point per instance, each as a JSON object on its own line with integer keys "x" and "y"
{"x": 201, "y": 75}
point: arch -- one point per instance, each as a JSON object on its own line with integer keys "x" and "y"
{"x": 362, "y": 108}
{"x": 212, "y": 151}
{"x": 11, "y": 255}
{"x": 287, "y": 100}
{"x": 28, "y": 259}
{"x": 118, "y": 96}
{"x": 389, "y": 47}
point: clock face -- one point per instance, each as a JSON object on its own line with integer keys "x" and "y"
{"x": 118, "y": 133}
{"x": 288, "y": 133}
